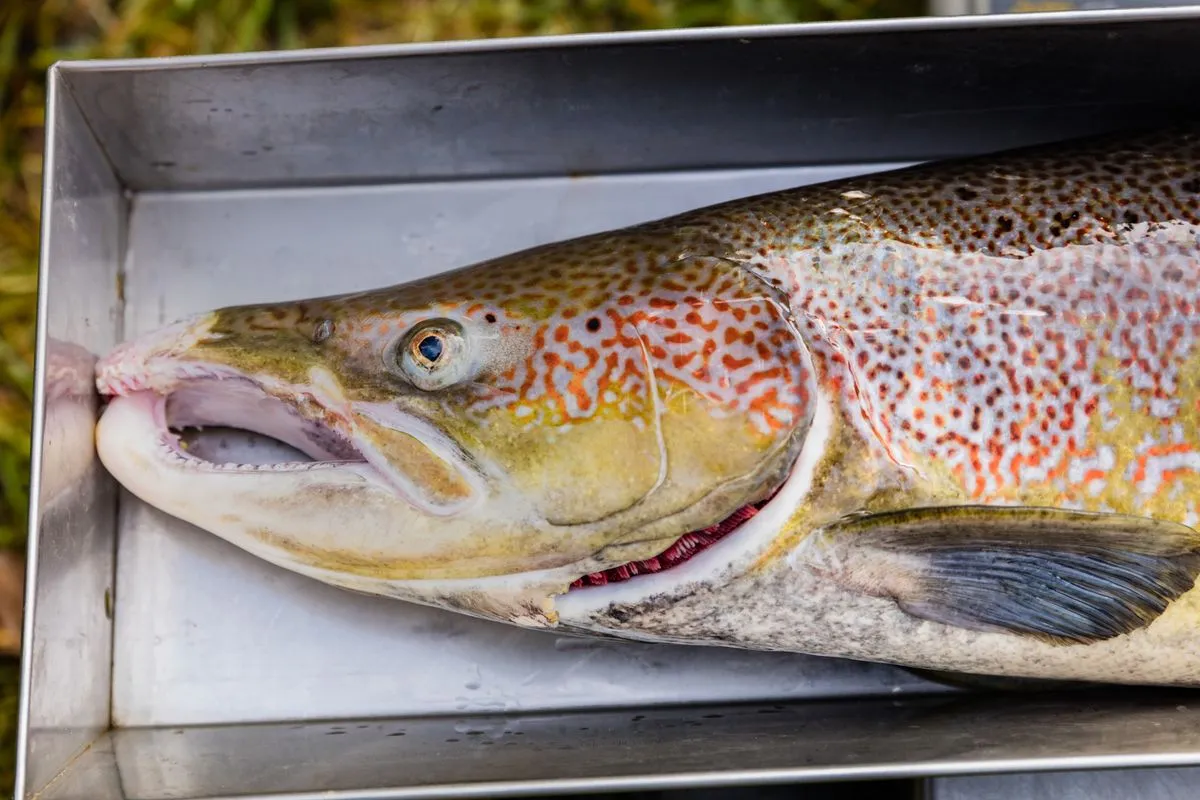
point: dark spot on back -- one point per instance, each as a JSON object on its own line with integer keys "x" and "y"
{"x": 490, "y": 317}
{"x": 966, "y": 193}
{"x": 593, "y": 324}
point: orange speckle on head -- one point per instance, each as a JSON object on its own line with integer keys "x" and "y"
{"x": 681, "y": 360}
{"x": 732, "y": 363}
{"x": 693, "y": 318}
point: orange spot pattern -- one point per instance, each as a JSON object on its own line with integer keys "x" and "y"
{"x": 607, "y": 316}
{"x": 576, "y": 369}
{"x": 990, "y": 316}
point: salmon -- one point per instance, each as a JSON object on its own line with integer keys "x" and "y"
{"x": 945, "y": 417}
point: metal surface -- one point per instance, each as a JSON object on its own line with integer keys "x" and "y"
{"x": 68, "y": 630}
{"x": 1143, "y": 784}
{"x": 634, "y": 103}
{"x": 208, "y": 636}
{"x": 671, "y": 748}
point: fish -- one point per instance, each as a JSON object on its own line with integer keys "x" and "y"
{"x": 945, "y": 417}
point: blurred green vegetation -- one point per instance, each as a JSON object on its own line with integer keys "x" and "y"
{"x": 36, "y": 33}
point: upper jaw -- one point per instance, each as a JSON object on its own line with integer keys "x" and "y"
{"x": 151, "y": 362}
{"x": 177, "y": 391}
{"x": 316, "y": 418}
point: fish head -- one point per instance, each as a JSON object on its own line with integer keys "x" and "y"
{"x": 480, "y": 439}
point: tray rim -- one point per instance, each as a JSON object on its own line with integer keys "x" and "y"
{"x": 637, "y": 37}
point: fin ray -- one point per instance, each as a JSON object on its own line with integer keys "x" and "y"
{"x": 1064, "y": 576}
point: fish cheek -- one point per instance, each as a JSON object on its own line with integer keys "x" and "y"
{"x": 437, "y": 481}
{"x": 580, "y": 473}
{"x": 711, "y": 447}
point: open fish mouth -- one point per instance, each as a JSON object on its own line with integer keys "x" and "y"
{"x": 193, "y": 424}
{"x": 167, "y": 407}
{"x": 183, "y": 403}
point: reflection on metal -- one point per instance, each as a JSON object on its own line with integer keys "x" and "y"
{"x": 1144, "y": 784}
{"x": 646, "y": 749}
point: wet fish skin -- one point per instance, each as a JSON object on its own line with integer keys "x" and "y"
{"x": 987, "y": 366}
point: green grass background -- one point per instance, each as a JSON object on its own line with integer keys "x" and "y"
{"x": 36, "y": 33}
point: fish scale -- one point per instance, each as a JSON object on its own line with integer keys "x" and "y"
{"x": 1014, "y": 321}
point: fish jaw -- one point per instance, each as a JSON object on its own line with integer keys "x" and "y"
{"x": 293, "y": 516}
{"x": 297, "y": 509}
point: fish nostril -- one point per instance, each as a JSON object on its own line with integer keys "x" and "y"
{"x": 322, "y": 331}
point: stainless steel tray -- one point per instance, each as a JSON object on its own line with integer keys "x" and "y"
{"x": 161, "y": 662}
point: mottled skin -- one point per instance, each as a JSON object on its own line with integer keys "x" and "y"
{"x": 1013, "y": 331}
{"x": 579, "y": 334}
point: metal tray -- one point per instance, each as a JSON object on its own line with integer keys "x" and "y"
{"x": 161, "y": 662}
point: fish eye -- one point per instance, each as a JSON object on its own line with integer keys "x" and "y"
{"x": 429, "y": 349}
{"x": 432, "y": 355}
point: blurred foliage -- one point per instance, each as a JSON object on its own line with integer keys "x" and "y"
{"x": 36, "y": 33}
{"x": 10, "y": 683}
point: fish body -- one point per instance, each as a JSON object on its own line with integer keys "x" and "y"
{"x": 945, "y": 417}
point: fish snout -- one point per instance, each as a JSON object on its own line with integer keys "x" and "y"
{"x": 149, "y": 362}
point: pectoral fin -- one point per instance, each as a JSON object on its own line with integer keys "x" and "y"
{"x": 1063, "y": 576}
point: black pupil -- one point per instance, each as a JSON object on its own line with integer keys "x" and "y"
{"x": 431, "y": 348}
